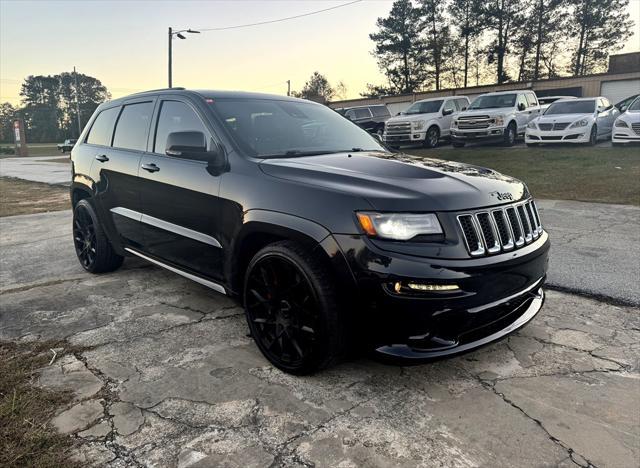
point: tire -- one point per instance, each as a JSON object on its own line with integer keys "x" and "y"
{"x": 510, "y": 135}
{"x": 432, "y": 138}
{"x": 457, "y": 144}
{"x": 93, "y": 249}
{"x": 299, "y": 328}
{"x": 593, "y": 136}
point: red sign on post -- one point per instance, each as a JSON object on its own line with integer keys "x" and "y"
{"x": 20, "y": 138}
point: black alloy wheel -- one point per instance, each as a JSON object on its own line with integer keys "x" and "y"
{"x": 432, "y": 137}
{"x": 95, "y": 253}
{"x": 84, "y": 237}
{"x": 291, "y": 309}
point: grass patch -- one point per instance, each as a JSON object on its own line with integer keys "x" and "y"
{"x": 25, "y": 437}
{"x": 19, "y": 196}
{"x": 35, "y": 149}
{"x": 605, "y": 175}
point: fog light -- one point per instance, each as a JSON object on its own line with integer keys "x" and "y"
{"x": 426, "y": 287}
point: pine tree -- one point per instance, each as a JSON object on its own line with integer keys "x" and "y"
{"x": 400, "y": 49}
{"x": 466, "y": 15}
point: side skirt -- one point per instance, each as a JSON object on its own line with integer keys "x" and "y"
{"x": 210, "y": 284}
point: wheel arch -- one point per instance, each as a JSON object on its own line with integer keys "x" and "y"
{"x": 262, "y": 227}
{"x": 79, "y": 192}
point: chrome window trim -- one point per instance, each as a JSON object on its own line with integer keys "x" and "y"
{"x": 167, "y": 226}
{"x": 210, "y": 284}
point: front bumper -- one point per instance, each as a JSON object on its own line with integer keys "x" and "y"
{"x": 497, "y": 295}
{"x": 574, "y": 135}
{"x": 413, "y": 137}
{"x": 491, "y": 133}
{"x": 624, "y": 135}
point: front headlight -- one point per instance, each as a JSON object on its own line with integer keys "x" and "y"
{"x": 621, "y": 123}
{"x": 398, "y": 226}
{"x": 498, "y": 120}
{"x": 418, "y": 125}
{"x": 580, "y": 123}
{"x": 532, "y": 125}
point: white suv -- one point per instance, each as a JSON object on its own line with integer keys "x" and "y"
{"x": 425, "y": 122}
{"x": 495, "y": 117}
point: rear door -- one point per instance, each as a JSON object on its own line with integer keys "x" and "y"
{"x": 180, "y": 196}
{"x": 117, "y": 138}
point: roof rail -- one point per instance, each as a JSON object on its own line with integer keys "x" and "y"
{"x": 176, "y": 88}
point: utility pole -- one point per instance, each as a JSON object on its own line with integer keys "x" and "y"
{"x": 179, "y": 35}
{"x": 170, "y": 39}
{"x": 75, "y": 76}
{"x": 288, "y": 87}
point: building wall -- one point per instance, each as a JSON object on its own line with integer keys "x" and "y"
{"x": 589, "y": 86}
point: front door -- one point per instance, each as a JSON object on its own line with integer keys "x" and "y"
{"x": 180, "y": 197}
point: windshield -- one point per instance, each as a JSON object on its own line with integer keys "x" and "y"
{"x": 635, "y": 105}
{"x": 428, "y": 107}
{"x": 571, "y": 107}
{"x": 494, "y": 101}
{"x": 269, "y": 128}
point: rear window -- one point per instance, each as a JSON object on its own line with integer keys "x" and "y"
{"x": 102, "y": 128}
{"x": 380, "y": 111}
{"x": 133, "y": 126}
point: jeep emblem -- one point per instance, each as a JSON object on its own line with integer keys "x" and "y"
{"x": 502, "y": 195}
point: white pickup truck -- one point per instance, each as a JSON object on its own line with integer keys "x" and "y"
{"x": 499, "y": 117}
{"x": 425, "y": 122}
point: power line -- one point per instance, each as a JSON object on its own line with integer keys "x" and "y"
{"x": 224, "y": 28}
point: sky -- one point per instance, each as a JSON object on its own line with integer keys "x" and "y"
{"x": 124, "y": 43}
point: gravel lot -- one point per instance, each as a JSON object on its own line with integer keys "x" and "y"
{"x": 171, "y": 378}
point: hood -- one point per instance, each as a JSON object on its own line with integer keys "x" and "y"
{"x": 492, "y": 111}
{"x": 413, "y": 117}
{"x": 563, "y": 118}
{"x": 630, "y": 116}
{"x": 400, "y": 182}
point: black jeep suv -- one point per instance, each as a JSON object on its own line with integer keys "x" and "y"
{"x": 326, "y": 237}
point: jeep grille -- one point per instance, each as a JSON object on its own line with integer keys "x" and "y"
{"x": 491, "y": 231}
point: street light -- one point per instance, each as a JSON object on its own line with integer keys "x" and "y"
{"x": 179, "y": 35}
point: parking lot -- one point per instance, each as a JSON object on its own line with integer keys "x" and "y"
{"x": 163, "y": 373}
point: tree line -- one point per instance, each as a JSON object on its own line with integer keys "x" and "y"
{"x": 432, "y": 44}
{"x": 49, "y": 108}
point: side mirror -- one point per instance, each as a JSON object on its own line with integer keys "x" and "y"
{"x": 464, "y": 108}
{"x": 447, "y": 111}
{"x": 521, "y": 106}
{"x": 187, "y": 145}
{"x": 400, "y": 113}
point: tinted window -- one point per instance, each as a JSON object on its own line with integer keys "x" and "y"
{"x": 175, "y": 117}
{"x": 102, "y": 128}
{"x": 133, "y": 126}
{"x": 379, "y": 111}
{"x": 362, "y": 113}
{"x": 494, "y": 101}
{"x": 531, "y": 99}
{"x": 424, "y": 107}
{"x": 273, "y": 128}
{"x": 571, "y": 107}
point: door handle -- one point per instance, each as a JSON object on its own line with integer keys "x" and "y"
{"x": 102, "y": 158}
{"x": 150, "y": 167}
